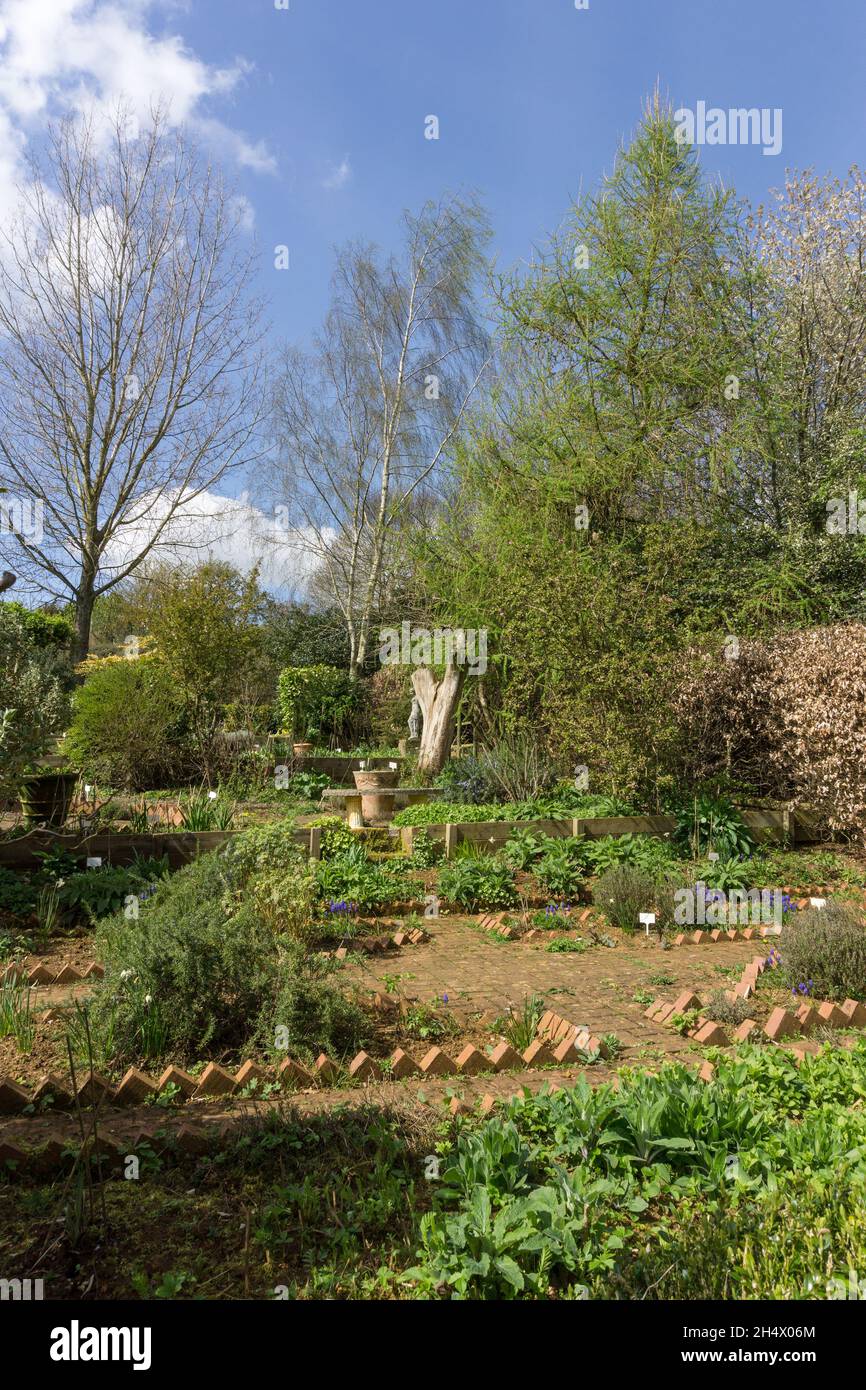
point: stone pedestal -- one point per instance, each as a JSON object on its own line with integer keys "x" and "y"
{"x": 377, "y": 794}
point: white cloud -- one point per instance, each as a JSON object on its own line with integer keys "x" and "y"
{"x": 60, "y": 56}
{"x": 339, "y": 175}
{"x": 211, "y": 527}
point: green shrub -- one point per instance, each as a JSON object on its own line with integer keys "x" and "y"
{"x": 313, "y": 1017}
{"x": 826, "y": 946}
{"x": 17, "y": 893}
{"x": 263, "y": 848}
{"x": 33, "y": 703}
{"x": 317, "y": 702}
{"x": 475, "y": 883}
{"x": 464, "y": 782}
{"x": 285, "y": 900}
{"x": 622, "y": 893}
{"x": 128, "y": 726}
{"x": 353, "y": 878}
{"x": 188, "y": 975}
{"x": 557, "y": 870}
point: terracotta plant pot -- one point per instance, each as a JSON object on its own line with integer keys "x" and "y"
{"x": 302, "y": 750}
{"x": 377, "y": 795}
{"x": 373, "y": 779}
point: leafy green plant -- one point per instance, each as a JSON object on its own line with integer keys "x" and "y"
{"x": 337, "y": 836}
{"x": 477, "y": 883}
{"x": 16, "y": 1014}
{"x": 557, "y": 870}
{"x": 428, "y": 1024}
{"x": 261, "y": 848}
{"x": 827, "y": 946}
{"x": 623, "y": 893}
{"x": 308, "y": 786}
{"x": 17, "y": 893}
{"x": 426, "y": 851}
{"x": 712, "y": 823}
{"x": 725, "y": 874}
{"x": 96, "y": 893}
{"x": 520, "y": 1026}
{"x": 521, "y": 848}
{"x": 353, "y": 877}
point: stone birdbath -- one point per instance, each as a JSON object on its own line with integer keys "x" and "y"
{"x": 376, "y": 786}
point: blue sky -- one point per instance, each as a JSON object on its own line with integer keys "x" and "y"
{"x": 318, "y": 110}
{"x": 533, "y": 97}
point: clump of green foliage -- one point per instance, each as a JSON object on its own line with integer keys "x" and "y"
{"x": 353, "y": 877}
{"x": 624, "y": 892}
{"x": 477, "y": 882}
{"x": 586, "y": 1191}
{"x": 827, "y": 946}
{"x": 130, "y": 726}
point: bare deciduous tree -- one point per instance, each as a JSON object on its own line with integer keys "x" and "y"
{"x": 128, "y": 351}
{"x": 364, "y": 420}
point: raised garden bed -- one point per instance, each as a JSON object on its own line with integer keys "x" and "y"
{"x": 765, "y": 824}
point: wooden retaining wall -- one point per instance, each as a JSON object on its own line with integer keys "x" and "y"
{"x": 183, "y": 846}
{"x": 764, "y": 823}
{"x": 180, "y": 846}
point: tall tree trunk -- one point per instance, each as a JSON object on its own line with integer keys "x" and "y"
{"x": 438, "y": 701}
{"x": 83, "y": 616}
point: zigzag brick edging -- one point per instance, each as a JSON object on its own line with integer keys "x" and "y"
{"x": 726, "y": 934}
{"x": 716, "y": 934}
{"x": 568, "y": 1039}
{"x": 377, "y": 944}
{"x": 782, "y": 1023}
{"x": 43, "y": 974}
{"x": 216, "y": 1083}
{"x": 492, "y": 922}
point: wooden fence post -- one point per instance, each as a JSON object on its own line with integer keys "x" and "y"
{"x": 450, "y": 840}
{"x": 576, "y": 828}
{"x": 315, "y": 842}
